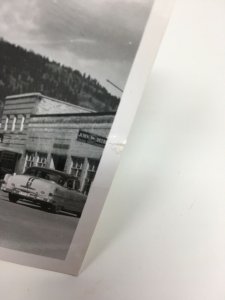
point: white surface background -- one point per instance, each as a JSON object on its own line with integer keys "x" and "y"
{"x": 162, "y": 231}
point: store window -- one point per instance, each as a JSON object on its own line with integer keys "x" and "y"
{"x": 14, "y": 123}
{"x": 77, "y": 166}
{"x": 42, "y": 160}
{"x": 91, "y": 171}
{"x": 6, "y": 123}
{"x": 22, "y": 123}
{"x": 30, "y": 160}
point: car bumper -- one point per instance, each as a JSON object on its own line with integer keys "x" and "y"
{"x": 26, "y": 195}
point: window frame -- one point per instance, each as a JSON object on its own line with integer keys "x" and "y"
{"x": 31, "y": 162}
{"x": 22, "y": 123}
{"x": 14, "y": 123}
{"x": 41, "y": 159}
{"x": 77, "y": 166}
{"x": 6, "y": 123}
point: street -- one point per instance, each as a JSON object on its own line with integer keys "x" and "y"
{"x": 25, "y": 227}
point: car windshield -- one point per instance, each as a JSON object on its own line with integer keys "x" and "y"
{"x": 48, "y": 175}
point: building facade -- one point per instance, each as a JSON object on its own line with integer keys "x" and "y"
{"x": 41, "y": 131}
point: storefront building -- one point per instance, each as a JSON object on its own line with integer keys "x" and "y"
{"x": 41, "y": 131}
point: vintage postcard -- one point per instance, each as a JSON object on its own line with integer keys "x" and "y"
{"x": 66, "y": 107}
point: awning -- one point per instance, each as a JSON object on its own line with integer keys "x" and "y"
{"x": 10, "y": 149}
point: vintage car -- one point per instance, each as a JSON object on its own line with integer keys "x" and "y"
{"x": 52, "y": 190}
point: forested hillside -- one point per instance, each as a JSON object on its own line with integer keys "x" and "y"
{"x": 23, "y": 71}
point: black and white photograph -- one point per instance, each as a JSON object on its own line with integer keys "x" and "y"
{"x": 63, "y": 69}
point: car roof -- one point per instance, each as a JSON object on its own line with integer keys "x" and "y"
{"x": 51, "y": 171}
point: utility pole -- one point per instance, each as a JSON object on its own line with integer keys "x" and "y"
{"x": 115, "y": 86}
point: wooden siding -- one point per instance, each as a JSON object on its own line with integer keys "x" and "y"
{"x": 45, "y": 132}
{"x": 53, "y": 106}
{"x": 20, "y": 101}
{"x": 18, "y": 107}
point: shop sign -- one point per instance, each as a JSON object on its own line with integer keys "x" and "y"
{"x": 90, "y": 138}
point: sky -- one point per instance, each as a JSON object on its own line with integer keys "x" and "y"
{"x": 96, "y": 37}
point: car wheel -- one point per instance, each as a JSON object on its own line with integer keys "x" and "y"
{"x": 13, "y": 198}
{"x": 44, "y": 206}
{"x": 55, "y": 209}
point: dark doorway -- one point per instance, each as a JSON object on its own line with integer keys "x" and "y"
{"x": 7, "y": 162}
{"x": 59, "y": 162}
